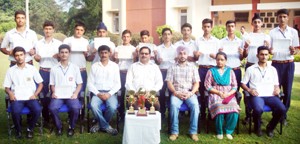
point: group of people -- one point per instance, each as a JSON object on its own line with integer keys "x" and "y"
{"x": 182, "y": 70}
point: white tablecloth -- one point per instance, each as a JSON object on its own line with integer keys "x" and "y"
{"x": 142, "y": 129}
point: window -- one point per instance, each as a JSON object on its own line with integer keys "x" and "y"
{"x": 266, "y": 20}
{"x": 272, "y": 19}
{"x": 269, "y": 14}
{"x": 241, "y": 16}
{"x": 269, "y": 19}
{"x": 269, "y": 25}
{"x": 116, "y": 22}
{"x": 262, "y": 14}
{"x": 183, "y": 16}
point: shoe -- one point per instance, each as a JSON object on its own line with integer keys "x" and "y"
{"x": 220, "y": 136}
{"x": 259, "y": 133}
{"x": 173, "y": 137}
{"x": 70, "y": 132}
{"x": 229, "y": 136}
{"x": 111, "y": 131}
{"x": 284, "y": 122}
{"x": 29, "y": 134}
{"x": 246, "y": 120}
{"x": 59, "y": 132}
{"x": 270, "y": 132}
{"x": 194, "y": 137}
{"x": 18, "y": 135}
{"x": 94, "y": 128}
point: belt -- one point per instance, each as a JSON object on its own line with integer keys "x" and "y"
{"x": 282, "y": 62}
{"x": 205, "y": 66}
{"x": 14, "y": 62}
{"x": 82, "y": 69}
{"x": 249, "y": 63}
{"x": 236, "y": 68}
{"x": 45, "y": 69}
{"x": 123, "y": 71}
{"x": 164, "y": 70}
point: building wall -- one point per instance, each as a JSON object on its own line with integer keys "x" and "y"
{"x": 230, "y": 2}
{"x": 108, "y": 8}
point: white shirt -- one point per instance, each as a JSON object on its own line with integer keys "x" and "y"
{"x": 162, "y": 50}
{"x": 104, "y": 78}
{"x": 13, "y": 38}
{"x": 191, "y": 45}
{"x": 147, "y": 76}
{"x": 205, "y": 59}
{"x": 233, "y": 59}
{"x": 27, "y": 76}
{"x": 289, "y": 33}
{"x": 77, "y": 58}
{"x": 124, "y": 64}
{"x": 65, "y": 77}
{"x": 253, "y": 47}
{"x": 110, "y": 44}
{"x": 41, "y": 45}
{"x": 261, "y": 80}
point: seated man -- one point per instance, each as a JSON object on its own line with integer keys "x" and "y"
{"x": 20, "y": 85}
{"x": 65, "y": 83}
{"x": 104, "y": 82}
{"x": 264, "y": 90}
{"x": 144, "y": 74}
{"x": 183, "y": 81}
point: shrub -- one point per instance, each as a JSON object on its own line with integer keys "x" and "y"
{"x": 220, "y": 32}
{"x": 297, "y": 58}
{"x": 59, "y": 36}
{"x": 160, "y": 28}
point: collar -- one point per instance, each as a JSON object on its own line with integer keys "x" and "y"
{"x": 44, "y": 40}
{"x": 25, "y": 67}
{"x": 163, "y": 45}
{"x": 235, "y": 38}
{"x": 186, "y": 64}
{"x": 15, "y": 31}
{"x": 257, "y": 66}
{"x": 189, "y": 42}
{"x": 140, "y": 63}
{"x": 287, "y": 28}
{"x": 210, "y": 38}
{"x": 100, "y": 63}
{"x": 59, "y": 64}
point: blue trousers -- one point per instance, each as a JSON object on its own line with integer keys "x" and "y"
{"x": 246, "y": 99}
{"x": 45, "y": 100}
{"x": 162, "y": 94}
{"x": 111, "y": 106}
{"x": 278, "y": 110}
{"x": 285, "y": 73}
{"x": 201, "y": 99}
{"x": 238, "y": 75}
{"x": 74, "y": 108}
{"x": 123, "y": 91}
{"x": 16, "y": 108}
{"x": 84, "y": 80}
{"x": 193, "y": 105}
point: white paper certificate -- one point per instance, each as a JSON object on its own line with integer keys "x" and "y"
{"x": 26, "y": 44}
{"x": 46, "y": 52}
{"x": 230, "y": 47}
{"x": 63, "y": 92}
{"x": 265, "y": 89}
{"x": 167, "y": 54}
{"x": 256, "y": 39}
{"x": 99, "y": 41}
{"x": 208, "y": 47}
{"x": 23, "y": 92}
{"x": 281, "y": 45}
{"x": 124, "y": 53}
{"x": 78, "y": 46}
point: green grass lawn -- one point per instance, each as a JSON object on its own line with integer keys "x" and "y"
{"x": 289, "y": 136}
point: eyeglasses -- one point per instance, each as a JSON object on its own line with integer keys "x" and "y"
{"x": 144, "y": 53}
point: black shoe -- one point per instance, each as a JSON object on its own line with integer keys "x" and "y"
{"x": 259, "y": 133}
{"x": 59, "y": 132}
{"x": 70, "y": 132}
{"x": 18, "y": 135}
{"x": 29, "y": 134}
{"x": 270, "y": 132}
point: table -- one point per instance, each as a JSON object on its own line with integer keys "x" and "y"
{"x": 142, "y": 129}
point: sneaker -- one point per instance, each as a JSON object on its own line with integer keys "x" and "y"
{"x": 220, "y": 136}
{"x": 173, "y": 137}
{"x": 229, "y": 136}
{"x": 270, "y": 132}
{"x": 70, "y": 132}
{"x": 29, "y": 134}
{"x": 94, "y": 128}
{"x": 111, "y": 131}
{"x": 194, "y": 137}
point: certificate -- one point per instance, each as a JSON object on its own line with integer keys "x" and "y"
{"x": 231, "y": 47}
{"x": 24, "y": 43}
{"x": 281, "y": 45}
{"x": 256, "y": 39}
{"x": 46, "y": 52}
{"x": 63, "y": 92}
{"x": 23, "y": 92}
{"x": 208, "y": 47}
{"x": 265, "y": 89}
{"x": 78, "y": 46}
{"x": 167, "y": 54}
{"x": 99, "y": 41}
{"x": 124, "y": 53}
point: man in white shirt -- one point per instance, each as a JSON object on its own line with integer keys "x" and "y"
{"x": 46, "y": 55}
{"x": 79, "y": 57}
{"x": 165, "y": 58}
{"x": 104, "y": 83}
{"x": 20, "y": 85}
{"x": 284, "y": 61}
{"x": 205, "y": 59}
{"x": 264, "y": 90}
{"x": 102, "y": 33}
{"x": 144, "y": 74}
{"x": 19, "y": 36}
{"x": 145, "y": 41}
{"x": 65, "y": 84}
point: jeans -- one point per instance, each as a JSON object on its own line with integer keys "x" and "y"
{"x": 162, "y": 95}
{"x": 84, "y": 80}
{"x": 45, "y": 100}
{"x": 74, "y": 108}
{"x": 111, "y": 106}
{"x": 193, "y": 105}
{"x": 123, "y": 74}
{"x": 202, "y": 99}
{"x": 16, "y": 108}
{"x": 257, "y": 104}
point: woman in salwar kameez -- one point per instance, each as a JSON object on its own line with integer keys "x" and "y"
{"x": 221, "y": 84}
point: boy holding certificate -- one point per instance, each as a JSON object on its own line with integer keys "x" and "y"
{"x": 20, "y": 84}
{"x": 207, "y": 47}
{"x": 65, "y": 83}
{"x": 46, "y": 55}
{"x": 79, "y": 48}
{"x": 165, "y": 57}
{"x": 145, "y": 41}
{"x": 124, "y": 56}
{"x": 284, "y": 42}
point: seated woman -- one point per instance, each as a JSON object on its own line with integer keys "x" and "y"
{"x": 221, "y": 84}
